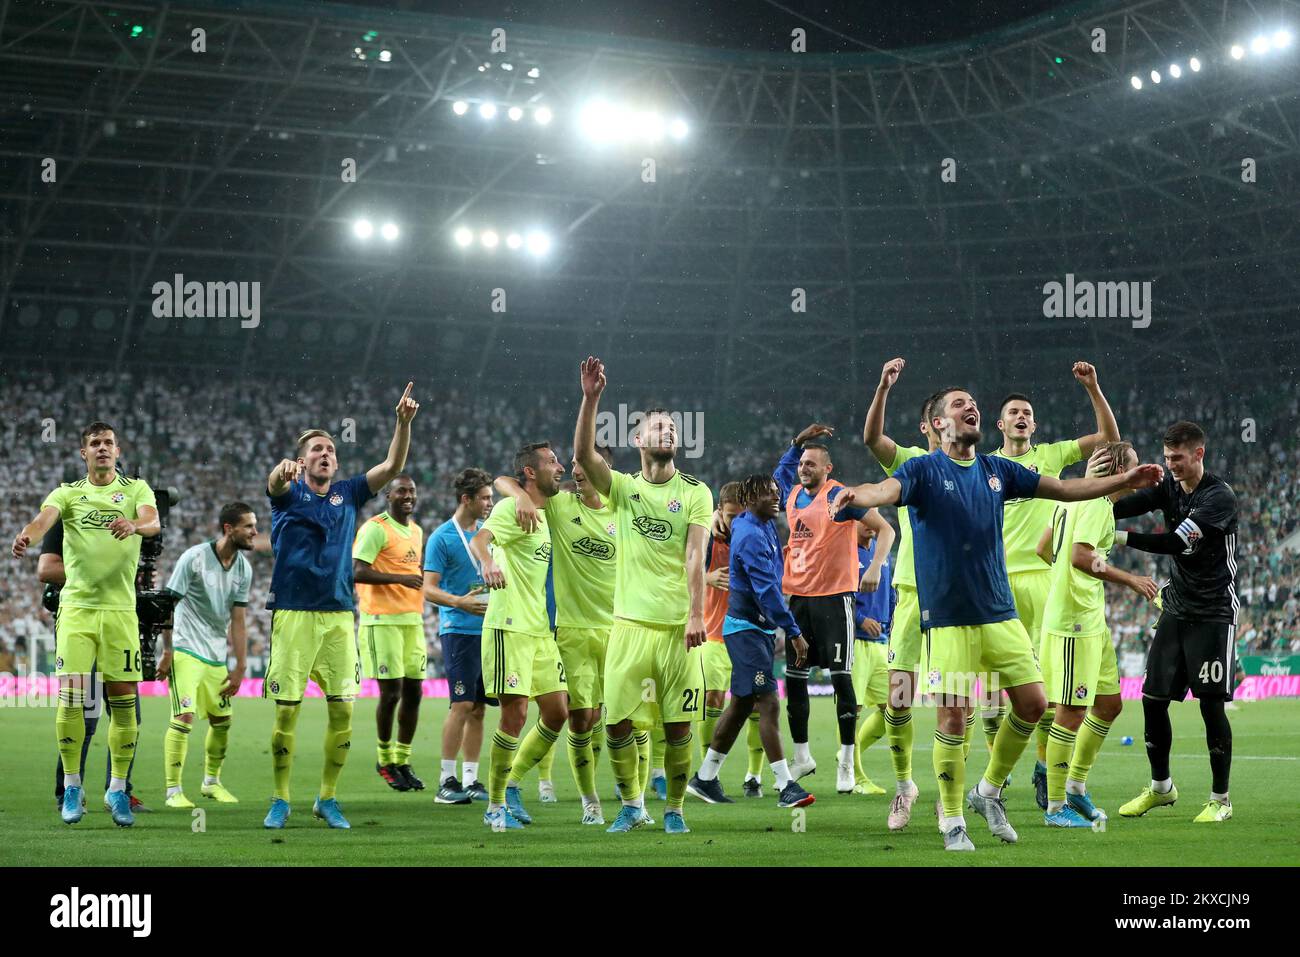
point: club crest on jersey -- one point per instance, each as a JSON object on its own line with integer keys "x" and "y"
{"x": 611, "y": 529}
{"x": 383, "y": 669}
{"x": 889, "y": 658}
{"x": 934, "y": 678}
{"x": 512, "y": 680}
{"x": 275, "y": 687}
{"x": 995, "y": 483}
{"x": 118, "y": 498}
{"x": 1081, "y": 692}
{"x": 186, "y": 701}
{"x": 460, "y": 687}
{"x": 58, "y": 663}
{"x": 336, "y": 499}
{"x": 674, "y": 505}
{"x": 760, "y": 679}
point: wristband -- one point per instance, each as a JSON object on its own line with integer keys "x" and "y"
{"x": 1121, "y": 537}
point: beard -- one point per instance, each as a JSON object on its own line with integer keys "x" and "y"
{"x": 660, "y": 454}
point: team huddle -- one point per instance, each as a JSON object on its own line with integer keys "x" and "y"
{"x": 631, "y": 609}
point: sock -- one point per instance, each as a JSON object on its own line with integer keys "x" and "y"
{"x": 1218, "y": 739}
{"x": 949, "y": 771}
{"x": 846, "y": 707}
{"x": 214, "y": 750}
{"x": 970, "y": 733}
{"x": 754, "y": 740}
{"x": 869, "y": 732}
{"x": 992, "y": 721}
{"x": 471, "y": 772}
{"x": 175, "y": 743}
{"x": 1044, "y": 730}
{"x": 338, "y": 741}
{"x": 782, "y": 772}
{"x": 1091, "y": 736}
{"x": 583, "y": 763}
{"x": 401, "y": 753}
{"x": 625, "y": 760}
{"x": 1060, "y": 748}
{"x": 1159, "y": 736}
{"x": 116, "y": 784}
{"x": 643, "y": 750}
{"x": 384, "y": 753}
{"x": 797, "y": 707}
{"x": 70, "y": 731}
{"x": 711, "y": 716}
{"x": 898, "y": 726}
{"x": 447, "y": 769}
{"x": 1007, "y": 748}
{"x": 502, "y": 757}
{"x": 677, "y": 767}
{"x": 658, "y": 750}
{"x": 711, "y": 765}
{"x": 282, "y": 746}
{"x": 847, "y": 755}
{"x": 802, "y": 753}
{"x": 532, "y": 749}
{"x": 123, "y": 729}
{"x": 1222, "y": 798}
{"x": 547, "y": 764}
{"x": 597, "y": 743}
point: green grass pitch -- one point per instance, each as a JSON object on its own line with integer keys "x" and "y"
{"x": 389, "y": 828}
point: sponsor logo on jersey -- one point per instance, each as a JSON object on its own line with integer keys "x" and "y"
{"x": 542, "y": 552}
{"x": 100, "y": 518}
{"x": 593, "y": 548}
{"x": 411, "y": 557}
{"x": 653, "y": 528}
{"x": 674, "y": 506}
{"x": 995, "y": 483}
{"x": 635, "y": 496}
{"x": 576, "y": 520}
{"x": 801, "y": 530}
{"x": 336, "y": 499}
{"x": 82, "y": 499}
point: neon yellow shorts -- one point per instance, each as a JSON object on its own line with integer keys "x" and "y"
{"x": 1077, "y": 668}
{"x": 521, "y": 663}
{"x": 582, "y": 652}
{"x": 998, "y": 655}
{"x": 315, "y": 645}
{"x": 870, "y": 673}
{"x": 649, "y": 674}
{"x": 717, "y": 666}
{"x": 1029, "y": 590}
{"x": 392, "y": 651}
{"x": 904, "y": 652}
{"x": 85, "y": 638}
{"x": 195, "y": 687}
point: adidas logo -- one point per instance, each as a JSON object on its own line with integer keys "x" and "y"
{"x": 636, "y": 496}
{"x": 945, "y": 776}
{"x": 82, "y": 499}
{"x": 576, "y": 520}
{"x": 896, "y": 749}
{"x": 281, "y": 752}
{"x": 1063, "y": 766}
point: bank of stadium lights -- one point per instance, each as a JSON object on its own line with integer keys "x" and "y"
{"x": 604, "y": 122}
{"x": 534, "y": 241}
{"x": 1259, "y": 45}
{"x": 488, "y": 111}
{"x": 364, "y": 229}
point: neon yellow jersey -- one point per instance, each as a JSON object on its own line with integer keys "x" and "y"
{"x": 1076, "y": 604}
{"x": 1023, "y": 519}
{"x": 583, "y": 557}
{"x": 100, "y": 569}
{"x": 904, "y": 570}
{"x": 524, "y": 559}
{"x": 651, "y": 522}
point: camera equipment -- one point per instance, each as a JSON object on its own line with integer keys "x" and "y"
{"x": 153, "y": 606}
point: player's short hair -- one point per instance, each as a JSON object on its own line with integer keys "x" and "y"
{"x": 1118, "y": 453}
{"x": 1184, "y": 433}
{"x": 232, "y": 513}
{"x": 819, "y": 447}
{"x": 1012, "y": 397}
{"x": 937, "y": 400}
{"x": 729, "y": 494}
{"x": 645, "y": 416}
{"x": 308, "y": 436}
{"x": 751, "y": 487}
{"x": 469, "y": 482}
{"x": 403, "y": 475}
{"x": 95, "y": 428}
{"x": 528, "y": 457}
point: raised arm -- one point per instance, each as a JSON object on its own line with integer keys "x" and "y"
{"x": 1107, "y": 428}
{"x": 35, "y": 530}
{"x": 1081, "y": 489}
{"x": 387, "y": 470}
{"x": 869, "y": 495}
{"x": 282, "y": 476}
{"x": 584, "y": 434}
{"x": 525, "y": 510}
{"x": 873, "y": 430}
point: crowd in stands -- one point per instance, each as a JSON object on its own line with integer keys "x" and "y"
{"x": 216, "y": 439}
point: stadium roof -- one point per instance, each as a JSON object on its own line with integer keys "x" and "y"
{"x": 814, "y": 171}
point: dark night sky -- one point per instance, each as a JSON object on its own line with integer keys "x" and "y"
{"x": 752, "y": 24}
